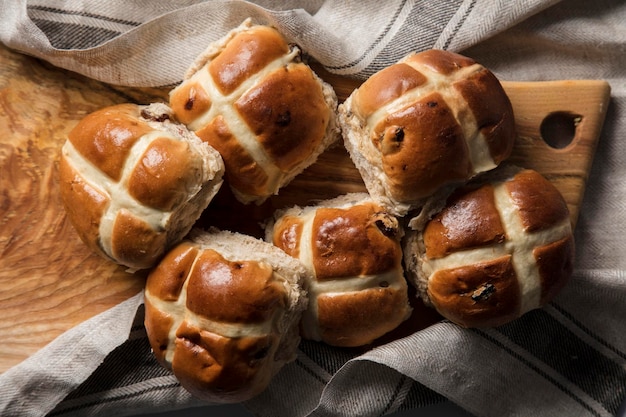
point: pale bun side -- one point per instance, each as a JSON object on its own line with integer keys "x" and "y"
{"x": 251, "y": 96}
{"x": 366, "y": 158}
{"x": 222, "y": 312}
{"x": 501, "y": 246}
{"x": 351, "y": 246}
{"x": 134, "y": 182}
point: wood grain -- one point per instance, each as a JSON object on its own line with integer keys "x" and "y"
{"x": 50, "y": 282}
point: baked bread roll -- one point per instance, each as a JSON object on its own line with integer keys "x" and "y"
{"x": 133, "y": 183}
{"x": 426, "y": 124}
{"x": 222, "y": 312}
{"x": 252, "y": 98}
{"x": 497, "y": 250}
{"x": 351, "y": 246}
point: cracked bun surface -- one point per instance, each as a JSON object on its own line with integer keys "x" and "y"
{"x": 222, "y": 312}
{"x": 352, "y": 249}
{"x": 133, "y": 182}
{"x": 253, "y": 99}
{"x": 497, "y": 250}
{"x": 429, "y": 122}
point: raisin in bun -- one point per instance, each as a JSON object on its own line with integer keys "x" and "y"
{"x": 498, "y": 249}
{"x": 133, "y": 182}
{"x": 222, "y": 312}
{"x": 351, "y": 246}
{"x": 426, "y": 124}
{"x": 252, "y": 98}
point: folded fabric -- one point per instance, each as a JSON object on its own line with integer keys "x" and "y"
{"x": 566, "y": 359}
{"x": 124, "y": 43}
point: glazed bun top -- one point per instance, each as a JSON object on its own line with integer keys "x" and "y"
{"x": 495, "y": 251}
{"x": 222, "y": 312}
{"x": 356, "y": 287}
{"x": 252, "y": 98}
{"x": 133, "y": 182}
{"x": 432, "y": 120}
{"x": 348, "y": 236}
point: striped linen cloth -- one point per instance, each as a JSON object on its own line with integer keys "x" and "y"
{"x": 567, "y": 359}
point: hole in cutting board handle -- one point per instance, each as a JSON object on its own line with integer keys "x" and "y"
{"x": 558, "y": 129}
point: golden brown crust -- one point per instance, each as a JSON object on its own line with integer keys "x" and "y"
{"x": 233, "y": 291}
{"x": 500, "y": 247}
{"x": 158, "y": 325}
{"x": 286, "y": 235}
{"x": 377, "y": 90}
{"x": 221, "y": 368}
{"x": 83, "y": 203}
{"x": 347, "y": 320}
{"x": 134, "y": 182}
{"x": 539, "y": 203}
{"x": 493, "y": 111}
{"x": 245, "y": 55}
{"x": 442, "y": 62}
{"x": 349, "y": 242}
{"x": 469, "y": 221}
{"x": 274, "y": 126}
{"x": 169, "y": 276}
{"x": 222, "y": 312}
{"x": 425, "y": 125}
{"x": 352, "y": 247}
{"x": 242, "y": 171}
{"x": 105, "y": 137}
{"x": 131, "y": 236}
{"x": 556, "y": 264}
{"x": 294, "y": 126}
{"x": 483, "y": 294}
{"x": 190, "y": 102}
{"x": 164, "y": 174}
{"x": 414, "y": 167}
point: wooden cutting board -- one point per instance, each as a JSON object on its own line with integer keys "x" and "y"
{"x": 50, "y": 282}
